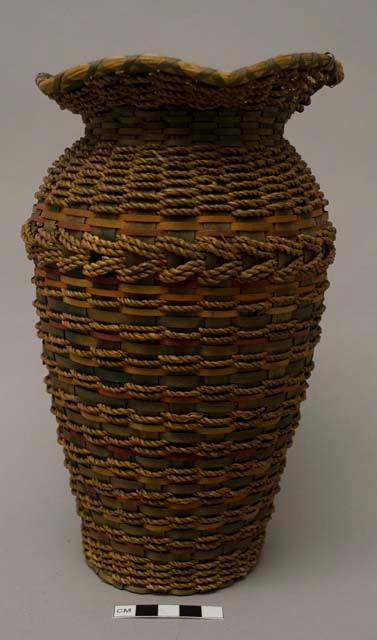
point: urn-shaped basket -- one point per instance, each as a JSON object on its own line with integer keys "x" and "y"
{"x": 181, "y": 248}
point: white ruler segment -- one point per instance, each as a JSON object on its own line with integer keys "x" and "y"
{"x": 168, "y": 611}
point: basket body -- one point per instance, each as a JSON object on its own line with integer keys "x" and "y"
{"x": 181, "y": 262}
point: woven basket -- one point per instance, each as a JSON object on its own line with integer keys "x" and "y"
{"x": 181, "y": 249}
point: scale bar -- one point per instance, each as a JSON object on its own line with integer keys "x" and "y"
{"x": 167, "y": 611}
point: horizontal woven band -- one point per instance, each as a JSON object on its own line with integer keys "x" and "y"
{"x": 183, "y": 126}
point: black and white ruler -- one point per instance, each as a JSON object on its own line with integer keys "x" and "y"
{"x": 168, "y": 611}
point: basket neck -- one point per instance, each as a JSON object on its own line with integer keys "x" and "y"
{"x": 186, "y": 126}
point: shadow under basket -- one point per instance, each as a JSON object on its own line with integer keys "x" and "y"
{"x": 181, "y": 248}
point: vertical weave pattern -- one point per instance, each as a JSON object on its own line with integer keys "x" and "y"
{"x": 181, "y": 260}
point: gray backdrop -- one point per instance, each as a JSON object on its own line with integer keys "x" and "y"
{"x": 317, "y": 576}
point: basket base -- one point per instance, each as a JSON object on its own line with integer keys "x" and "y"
{"x": 141, "y": 575}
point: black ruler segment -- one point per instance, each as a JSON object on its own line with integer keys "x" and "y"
{"x": 146, "y": 610}
{"x": 190, "y": 611}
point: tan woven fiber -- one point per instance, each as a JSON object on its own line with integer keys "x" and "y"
{"x": 181, "y": 249}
